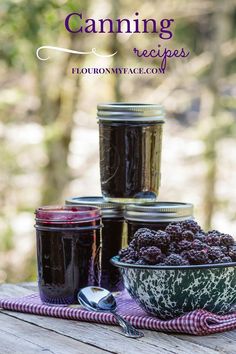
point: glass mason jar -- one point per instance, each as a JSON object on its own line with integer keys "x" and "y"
{"x": 130, "y": 138}
{"x": 113, "y": 238}
{"x": 67, "y": 251}
{"x": 155, "y": 216}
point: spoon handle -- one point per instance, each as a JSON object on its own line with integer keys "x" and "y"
{"x": 127, "y": 328}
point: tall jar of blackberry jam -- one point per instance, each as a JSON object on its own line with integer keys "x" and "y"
{"x": 113, "y": 238}
{"x": 67, "y": 251}
{"x": 130, "y": 138}
{"x": 155, "y": 216}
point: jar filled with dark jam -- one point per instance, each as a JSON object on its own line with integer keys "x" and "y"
{"x": 113, "y": 238}
{"x": 155, "y": 216}
{"x": 67, "y": 251}
{"x": 130, "y": 140}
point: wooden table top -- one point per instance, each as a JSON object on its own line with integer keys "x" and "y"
{"x": 24, "y": 333}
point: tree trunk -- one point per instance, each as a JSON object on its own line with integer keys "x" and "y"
{"x": 211, "y": 123}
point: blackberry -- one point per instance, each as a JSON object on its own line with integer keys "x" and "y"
{"x": 214, "y": 232}
{"x": 226, "y": 240}
{"x": 162, "y": 239}
{"x": 188, "y": 235}
{"x": 184, "y": 245}
{"x": 232, "y": 253}
{"x": 175, "y": 231}
{"x": 141, "y": 231}
{"x": 133, "y": 255}
{"x": 213, "y": 239}
{"x": 128, "y": 254}
{"x": 210, "y": 261}
{"x": 225, "y": 250}
{"x": 190, "y": 225}
{"x": 200, "y": 236}
{"x": 151, "y": 255}
{"x": 224, "y": 259}
{"x": 173, "y": 248}
{"x": 215, "y": 252}
{"x": 198, "y": 257}
{"x": 124, "y": 252}
{"x": 128, "y": 260}
{"x": 133, "y": 244}
{"x": 175, "y": 259}
{"x": 184, "y": 255}
{"x": 199, "y": 245}
{"x": 145, "y": 240}
{"x": 141, "y": 262}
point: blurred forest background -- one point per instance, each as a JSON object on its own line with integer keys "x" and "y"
{"x": 48, "y": 129}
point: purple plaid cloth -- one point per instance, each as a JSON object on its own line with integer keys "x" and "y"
{"x": 198, "y": 322}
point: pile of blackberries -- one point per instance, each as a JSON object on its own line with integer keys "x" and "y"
{"x": 181, "y": 243}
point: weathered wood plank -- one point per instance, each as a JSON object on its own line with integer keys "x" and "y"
{"x": 93, "y": 334}
{"x": 20, "y": 337}
{"x": 109, "y": 337}
{"x": 10, "y": 345}
{"x": 13, "y": 290}
{"x": 177, "y": 345}
{"x": 221, "y": 342}
{"x": 31, "y": 286}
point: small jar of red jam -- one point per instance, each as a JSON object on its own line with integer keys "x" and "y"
{"x": 67, "y": 251}
{"x": 113, "y": 238}
{"x": 155, "y": 216}
{"x": 130, "y": 140}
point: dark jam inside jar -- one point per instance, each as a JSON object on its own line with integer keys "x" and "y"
{"x": 130, "y": 139}
{"x": 67, "y": 251}
{"x": 112, "y": 232}
{"x": 113, "y": 238}
{"x": 130, "y": 157}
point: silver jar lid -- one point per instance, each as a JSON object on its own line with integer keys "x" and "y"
{"x": 132, "y": 112}
{"x": 159, "y": 211}
{"x": 113, "y": 210}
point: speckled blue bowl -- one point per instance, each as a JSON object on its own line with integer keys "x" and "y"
{"x": 171, "y": 291}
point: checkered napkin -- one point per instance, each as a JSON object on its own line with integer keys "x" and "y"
{"x": 198, "y": 322}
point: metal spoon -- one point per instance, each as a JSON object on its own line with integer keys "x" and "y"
{"x": 101, "y": 300}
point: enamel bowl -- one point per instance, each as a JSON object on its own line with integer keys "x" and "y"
{"x": 170, "y": 291}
